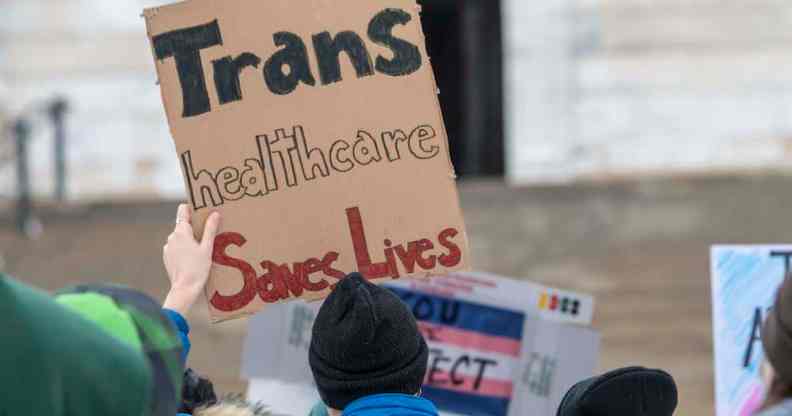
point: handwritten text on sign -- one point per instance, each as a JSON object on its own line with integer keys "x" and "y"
{"x": 474, "y": 351}
{"x": 314, "y": 128}
{"x": 744, "y": 283}
{"x": 289, "y": 66}
{"x": 282, "y": 281}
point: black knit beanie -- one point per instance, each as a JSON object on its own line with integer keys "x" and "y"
{"x": 631, "y": 391}
{"x": 365, "y": 341}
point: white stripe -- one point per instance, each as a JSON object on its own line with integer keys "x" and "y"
{"x": 503, "y": 369}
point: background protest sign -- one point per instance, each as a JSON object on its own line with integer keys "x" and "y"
{"x": 744, "y": 283}
{"x": 554, "y": 358}
{"x": 549, "y": 303}
{"x": 315, "y": 128}
{"x": 486, "y": 356}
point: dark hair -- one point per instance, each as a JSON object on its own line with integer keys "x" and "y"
{"x": 778, "y": 391}
{"x": 196, "y": 392}
{"x": 775, "y": 338}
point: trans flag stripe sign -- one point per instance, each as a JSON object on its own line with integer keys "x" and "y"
{"x": 498, "y": 346}
{"x": 474, "y": 350}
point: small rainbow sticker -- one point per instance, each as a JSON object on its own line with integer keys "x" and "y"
{"x": 560, "y": 304}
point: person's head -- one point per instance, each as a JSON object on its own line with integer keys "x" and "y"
{"x": 137, "y": 321}
{"x": 197, "y": 392}
{"x": 777, "y": 343}
{"x": 625, "y": 392}
{"x": 233, "y": 407}
{"x": 365, "y": 342}
{"x": 57, "y": 363}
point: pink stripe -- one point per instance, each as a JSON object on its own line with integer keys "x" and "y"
{"x": 453, "y": 285}
{"x": 433, "y": 290}
{"x": 469, "y": 339}
{"x": 753, "y": 402}
{"x": 440, "y": 288}
{"x": 473, "y": 280}
{"x": 466, "y": 384}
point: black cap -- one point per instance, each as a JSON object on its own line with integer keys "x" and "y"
{"x": 632, "y": 391}
{"x": 365, "y": 341}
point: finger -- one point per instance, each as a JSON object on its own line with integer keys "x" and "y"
{"x": 210, "y": 230}
{"x": 183, "y": 229}
{"x": 183, "y": 214}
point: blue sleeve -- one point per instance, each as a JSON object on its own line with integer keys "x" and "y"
{"x": 184, "y": 330}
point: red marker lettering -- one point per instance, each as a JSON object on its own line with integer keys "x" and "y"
{"x": 248, "y": 292}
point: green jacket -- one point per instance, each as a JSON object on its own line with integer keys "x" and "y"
{"x": 55, "y": 363}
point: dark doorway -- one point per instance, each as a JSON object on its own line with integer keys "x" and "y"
{"x": 465, "y": 45}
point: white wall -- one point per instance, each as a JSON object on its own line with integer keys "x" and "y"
{"x": 95, "y": 53}
{"x": 595, "y": 88}
{"x": 617, "y": 88}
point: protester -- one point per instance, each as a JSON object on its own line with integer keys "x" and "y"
{"x": 632, "y": 391}
{"x": 138, "y": 321}
{"x": 56, "y": 363}
{"x": 197, "y": 392}
{"x": 366, "y": 354}
{"x": 113, "y": 349}
{"x": 777, "y": 343}
{"x": 233, "y": 407}
{"x": 187, "y": 263}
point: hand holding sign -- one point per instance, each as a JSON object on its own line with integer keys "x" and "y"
{"x": 314, "y": 128}
{"x": 188, "y": 260}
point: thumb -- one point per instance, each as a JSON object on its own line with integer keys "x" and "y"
{"x": 210, "y": 230}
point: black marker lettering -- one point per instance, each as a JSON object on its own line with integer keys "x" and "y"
{"x": 184, "y": 45}
{"x": 365, "y": 149}
{"x": 417, "y": 142}
{"x": 406, "y": 56}
{"x": 268, "y": 165}
{"x": 202, "y": 183}
{"x": 336, "y": 161}
{"x": 753, "y": 338}
{"x": 483, "y": 363}
{"x": 457, "y": 381}
{"x": 311, "y": 160}
{"x": 229, "y": 185}
{"x": 328, "y": 51}
{"x": 293, "y": 55}
{"x": 438, "y": 358}
{"x": 391, "y": 141}
{"x": 226, "y": 75}
{"x": 253, "y": 178}
{"x": 787, "y": 255}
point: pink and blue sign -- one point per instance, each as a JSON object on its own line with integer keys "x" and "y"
{"x": 474, "y": 351}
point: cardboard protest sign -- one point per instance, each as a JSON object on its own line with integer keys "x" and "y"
{"x": 744, "y": 283}
{"x": 486, "y": 356}
{"x": 314, "y": 127}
